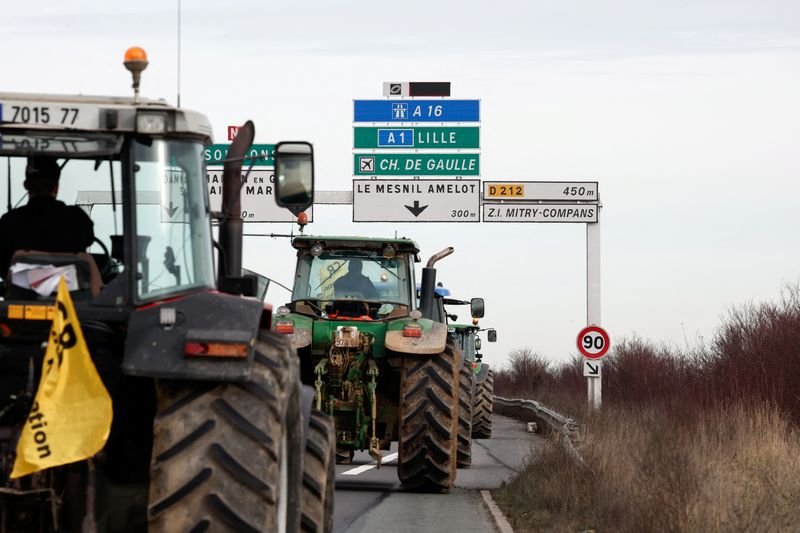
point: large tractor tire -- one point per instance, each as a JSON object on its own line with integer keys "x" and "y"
{"x": 482, "y": 421}
{"x": 428, "y": 437}
{"x": 319, "y": 474}
{"x": 465, "y": 401}
{"x": 223, "y": 453}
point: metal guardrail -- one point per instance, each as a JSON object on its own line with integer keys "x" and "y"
{"x": 565, "y": 427}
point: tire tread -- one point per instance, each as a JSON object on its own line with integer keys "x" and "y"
{"x": 428, "y": 421}
{"x": 215, "y": 448}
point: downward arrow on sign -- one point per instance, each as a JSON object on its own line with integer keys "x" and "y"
{"x": 593, "y": 370}
{"x": 416, "y": 209}
{"x": 171, "y": 209}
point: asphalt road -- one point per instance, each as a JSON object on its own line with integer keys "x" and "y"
{"x": 370, "y": 499}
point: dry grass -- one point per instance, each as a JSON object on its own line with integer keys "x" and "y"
{"x": 688, "y": 440}
{"x": 732, "y": 470}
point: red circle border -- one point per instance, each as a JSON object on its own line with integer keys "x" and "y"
{"x": 593, "y": 329}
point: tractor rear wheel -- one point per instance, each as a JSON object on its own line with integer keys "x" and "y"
{"x": 428, "y": 437}
{"x": 223, "y": 452}
{"x": 319, "y": 474}
{"x": 482, "y": 423}
{"x": 465, "y": 416}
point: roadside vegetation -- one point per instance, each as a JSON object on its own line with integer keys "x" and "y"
{"x": 700, "y": 439}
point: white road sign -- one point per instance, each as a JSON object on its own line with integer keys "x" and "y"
{"x": 173, "y": 192}
{"x": 592, "y": 368}
{"x": 409, "y": 200}
{"x": 495, "y": 191}
{"x": 258, "y": 198}
{"x": 519, "y": 212}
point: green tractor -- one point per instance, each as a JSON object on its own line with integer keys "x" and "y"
{"x": 469, "y": 343}
{"x": 380, "y": 364}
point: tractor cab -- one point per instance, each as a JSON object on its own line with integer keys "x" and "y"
{"x": 354, "y": 279}
{"x": 137, "y": 170}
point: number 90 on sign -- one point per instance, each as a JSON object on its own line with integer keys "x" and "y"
{"x": 593, "y": 342}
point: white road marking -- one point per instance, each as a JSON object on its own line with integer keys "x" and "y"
{"x": 499, "y": 518}
{"x": 363, "y": 468}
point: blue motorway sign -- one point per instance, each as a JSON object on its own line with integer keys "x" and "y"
{"x": 416, "y": 111}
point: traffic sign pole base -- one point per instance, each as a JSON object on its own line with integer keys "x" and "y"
{"x": 594, "y": 388}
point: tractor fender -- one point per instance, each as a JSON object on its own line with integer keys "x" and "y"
{"x": 300, "y": 338}
{"x": 155, "y": 345}
{"x": 433, "y": 340}
{"x": 482, "y": 373}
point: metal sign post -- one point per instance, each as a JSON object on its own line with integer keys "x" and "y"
{"x": 594, "y": 384}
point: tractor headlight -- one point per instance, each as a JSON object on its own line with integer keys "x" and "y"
{"x": 152, "y": 123}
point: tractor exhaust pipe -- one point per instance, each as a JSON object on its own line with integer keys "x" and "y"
{"x": 230, "y": 228}
{"x": 428, "y": 283}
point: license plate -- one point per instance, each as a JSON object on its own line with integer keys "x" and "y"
{"x": 57, "y": 115}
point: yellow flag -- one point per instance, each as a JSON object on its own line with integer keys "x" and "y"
{"x": 71, "y": 415}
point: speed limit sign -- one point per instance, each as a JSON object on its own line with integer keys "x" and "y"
{"x": 593, "y": 342}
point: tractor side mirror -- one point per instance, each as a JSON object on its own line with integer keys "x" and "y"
{"x": 491, "y": 335}
{"x": 476, "y": 307}
{"x": 294, "y": 176}
{"x": 477, "y": 343}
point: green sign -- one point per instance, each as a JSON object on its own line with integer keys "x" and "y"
{"x": 416, "y": 164}
{"x": 419, "y": 137}
{"x": 216, "y": 153}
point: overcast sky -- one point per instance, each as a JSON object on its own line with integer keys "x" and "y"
{"x": 687, "y": 113}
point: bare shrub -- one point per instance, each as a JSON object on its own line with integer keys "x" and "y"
{"x": 756, "y": 355}
{"x": 523, "y": 375}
